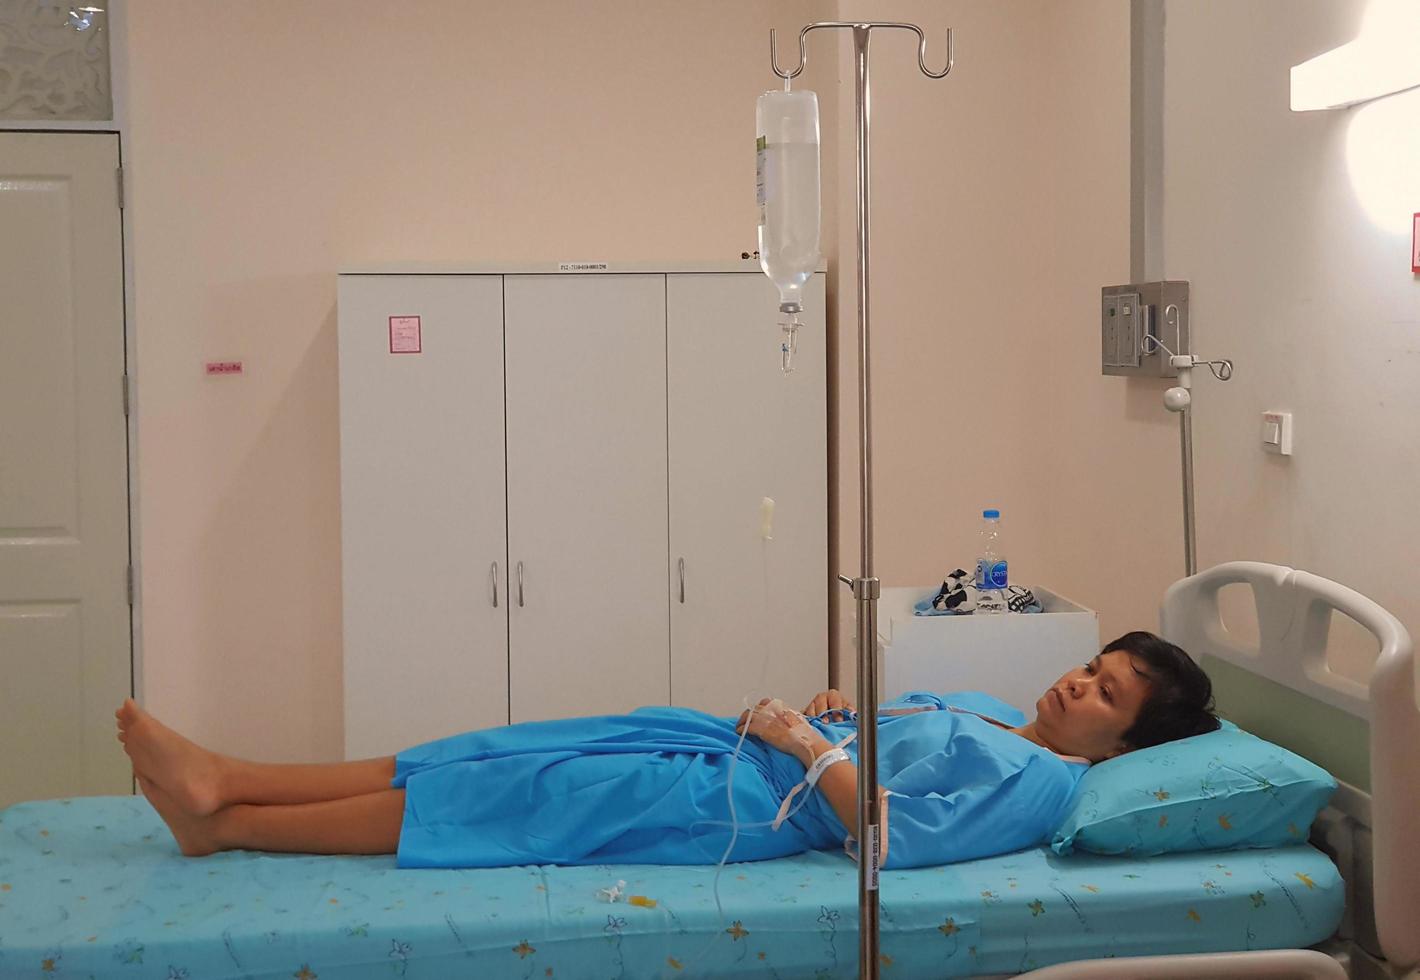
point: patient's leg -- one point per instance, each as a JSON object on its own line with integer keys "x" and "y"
{"x": 201, "y": 781}
{"x": 367, "y": 824}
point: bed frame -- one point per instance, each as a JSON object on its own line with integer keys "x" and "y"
{"x": 1379, "y": 937}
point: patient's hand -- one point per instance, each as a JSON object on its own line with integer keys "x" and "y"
{"x": 829, "y": 700}
{"x": 782, "y": 727}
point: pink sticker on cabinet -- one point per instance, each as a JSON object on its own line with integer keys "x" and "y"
{"x": 405, "y": 335}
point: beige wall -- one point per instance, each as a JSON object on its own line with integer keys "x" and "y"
{"x": 1269, "y": 214}
{"x": 273, "y": 143}
{"x": 1000, "y": 207}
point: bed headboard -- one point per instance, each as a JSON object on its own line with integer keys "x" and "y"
{"x": 1294, "y": 611}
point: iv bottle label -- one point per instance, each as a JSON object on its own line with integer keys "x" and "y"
{"x": 759, "y": 175}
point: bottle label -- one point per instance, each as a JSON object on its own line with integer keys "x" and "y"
{"x": 759, "y": 175}
{"x": 991, "y": 573}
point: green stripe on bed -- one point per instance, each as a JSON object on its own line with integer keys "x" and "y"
{"x": 1335, "y": 740}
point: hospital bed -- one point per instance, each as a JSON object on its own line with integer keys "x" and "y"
{"x": 1373, "y": 838}
{"x": 95, "y": 887}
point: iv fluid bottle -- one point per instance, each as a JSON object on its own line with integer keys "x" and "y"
{"x": 991, "y": 576}
{"x": 787, "y": 191}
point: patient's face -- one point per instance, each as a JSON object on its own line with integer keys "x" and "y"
{"x": 1087, "y": 711}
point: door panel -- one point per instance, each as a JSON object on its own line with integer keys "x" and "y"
{"x": 587, "y": 493}
{"x": 423, "y": 510}
{"x": 754, "y": 620}
{"x": 65, "y": 625}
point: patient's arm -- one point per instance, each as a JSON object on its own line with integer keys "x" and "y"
{"x": 832, "y": 700}
{"x": 911, "y": 703}
{"x": 838, "y": 784}
{"x": 789, "y": 732}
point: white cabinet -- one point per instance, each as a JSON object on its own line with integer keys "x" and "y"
{"x": 422, "y": 510}
{"x": 521, "y": 493}
{"x": 586, "y": 494}
{"x": 752, "y": 619}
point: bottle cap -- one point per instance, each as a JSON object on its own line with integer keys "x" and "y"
{"x": 991, "y": 514}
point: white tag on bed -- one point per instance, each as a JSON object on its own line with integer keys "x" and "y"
{"x": 876, "y": 831}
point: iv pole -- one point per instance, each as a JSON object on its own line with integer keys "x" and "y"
{"x": 866, "y": 588}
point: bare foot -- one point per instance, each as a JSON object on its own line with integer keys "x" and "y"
{"x": 189, "y": 775}
{"x": 193, "y": 834}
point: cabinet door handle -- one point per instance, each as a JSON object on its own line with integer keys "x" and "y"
{"x": 681, "y": 563}
{"x": 493, "y": 573}
{"x": 520, "y": 585}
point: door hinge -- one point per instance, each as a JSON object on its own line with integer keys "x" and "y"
{"x": 127, "y": 395}
{"x": 130, "y": 585}
{"x": 119, "y": 174}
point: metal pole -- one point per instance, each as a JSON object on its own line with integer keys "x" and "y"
{"x": 866, "y": 588}
{"x": 1190, "y": 533}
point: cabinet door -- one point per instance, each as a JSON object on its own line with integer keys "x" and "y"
{"x": 753, "y": 617}
{"x": 586, "y": 369}
{"x": 423, "y": 508}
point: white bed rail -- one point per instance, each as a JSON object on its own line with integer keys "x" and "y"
{"x": 1293, "y": 616}
{"x": 1270, "y": 964}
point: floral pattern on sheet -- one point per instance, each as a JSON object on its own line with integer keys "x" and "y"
{"x": 95, "y": 887}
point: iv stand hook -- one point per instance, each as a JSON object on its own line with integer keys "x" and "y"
{"x": 804, "y": 57}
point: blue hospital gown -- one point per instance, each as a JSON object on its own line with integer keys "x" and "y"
{"x": 650, "y": 787}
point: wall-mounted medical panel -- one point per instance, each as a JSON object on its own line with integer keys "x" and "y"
{"x": 1139, "y": 324}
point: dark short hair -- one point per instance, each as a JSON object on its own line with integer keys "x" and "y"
{"x": 1179, "y": 702}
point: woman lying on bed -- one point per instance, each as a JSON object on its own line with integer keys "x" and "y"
{"x": 963, "y": 777}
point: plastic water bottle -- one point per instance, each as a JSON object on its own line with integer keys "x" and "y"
{"x": 991, "y": 575}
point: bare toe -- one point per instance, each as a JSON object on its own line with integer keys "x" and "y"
{"x": 127, "y": 714}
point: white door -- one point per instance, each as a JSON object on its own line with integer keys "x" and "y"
{"x": 65, "y": 635}
{"x": 588, "y": 631}
{"x": 748, "y": 616}
{"x": 423, "y": 525}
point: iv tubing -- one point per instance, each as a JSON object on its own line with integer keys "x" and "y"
{"x": 734, "y": 821}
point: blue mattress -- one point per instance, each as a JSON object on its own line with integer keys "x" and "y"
{"x": 95, "y": 887}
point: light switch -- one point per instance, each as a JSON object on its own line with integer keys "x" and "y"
{"x": 1277, "y": 432}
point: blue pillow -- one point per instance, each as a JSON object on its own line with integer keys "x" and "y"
{"x": 1219, "y": 791}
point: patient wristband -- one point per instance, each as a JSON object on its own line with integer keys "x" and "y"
{"x": 832, "y": 756}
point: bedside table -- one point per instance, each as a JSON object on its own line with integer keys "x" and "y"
{"x": 1012, "y": 656}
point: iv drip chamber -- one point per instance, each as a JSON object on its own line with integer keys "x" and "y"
{"x": 787, "y": 191}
